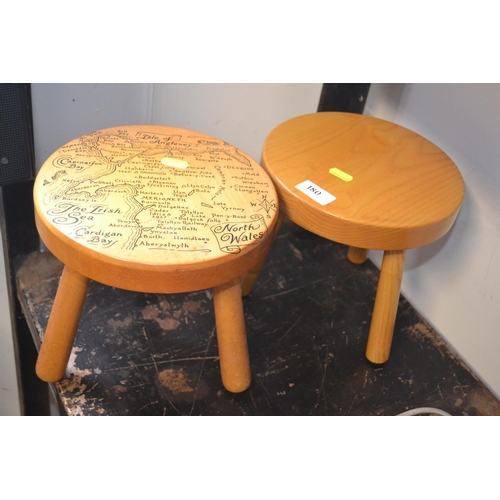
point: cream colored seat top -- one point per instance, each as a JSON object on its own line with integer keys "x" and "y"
{"x": 154, "y": 208}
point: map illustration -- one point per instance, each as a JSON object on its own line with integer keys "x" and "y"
{"x": 148, "y": 189}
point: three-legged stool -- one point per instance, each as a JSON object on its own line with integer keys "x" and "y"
{"x": 369, "y": 184}
{"x": 153, "y": 209}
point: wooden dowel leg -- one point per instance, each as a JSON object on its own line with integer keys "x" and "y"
{"x": 231, "y": 336}
{"x": 357, "y": 255}
{"x": 248, "y": 280}
{"x": 386, "y": 306}
{"x": 63, "y": 323}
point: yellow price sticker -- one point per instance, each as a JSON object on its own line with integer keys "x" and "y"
{"x": 341, "y": 174}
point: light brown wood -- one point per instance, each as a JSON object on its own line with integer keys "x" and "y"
{"x": 152, "y": 209}
{"x": 155, "y": 209}
{"x": 369, "y": 184}
{"x": 231, "y": 336}
{"x": 249, "y": 279}
{"x": 386, "y": 305}
{"x": 62, "y": 326}
{"x": 357, "y": 255}
{"x": 405, "y": 192}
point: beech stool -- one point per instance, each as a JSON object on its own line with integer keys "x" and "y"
{"x": 369, "y": 184}
{"x": 159, "y": 210}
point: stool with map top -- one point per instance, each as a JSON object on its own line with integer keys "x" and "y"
{"x": 153, "y": 209}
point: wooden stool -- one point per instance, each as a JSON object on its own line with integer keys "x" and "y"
{"x": 153, "y": 209}
{"x": 369, "y": 184}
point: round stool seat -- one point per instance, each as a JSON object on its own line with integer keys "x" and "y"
{"x": 369, "y": 184}
{"x": 385, "y": 187}
{"x": 153, "y": 209}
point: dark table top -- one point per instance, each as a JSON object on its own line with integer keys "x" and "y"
{"x": 307, "y": 323}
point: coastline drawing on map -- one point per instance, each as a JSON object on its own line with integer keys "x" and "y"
{"x": 137, "y": 189}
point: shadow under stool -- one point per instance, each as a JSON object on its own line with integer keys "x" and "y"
{"x": 369, "y": 184}
{"x": 153, "y": 209}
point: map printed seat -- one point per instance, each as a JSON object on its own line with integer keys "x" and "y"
{"x": 153, "y": 209}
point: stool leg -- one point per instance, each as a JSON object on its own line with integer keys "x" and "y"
{"x": 386, "y": 306}
{"x": 231, "y": 336}
{"x": 63, "y": 323}
{"x": 357, "y": 255}
{"x": 251, "y": 276}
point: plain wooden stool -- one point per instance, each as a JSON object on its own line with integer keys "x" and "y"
{"x": 369, "y": 184}
{"x": 153, "y": 209}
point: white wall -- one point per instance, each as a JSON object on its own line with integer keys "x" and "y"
{"x": 241, "y": 114}
{"x": 10, "y": 403}
{"x": 62, "y": 112}
{"x": 455, "y": 282}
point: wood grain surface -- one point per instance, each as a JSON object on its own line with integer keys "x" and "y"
{"x": 393, "y": 188}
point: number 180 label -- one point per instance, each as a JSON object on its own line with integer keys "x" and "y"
{"x": 315, "y": 192}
